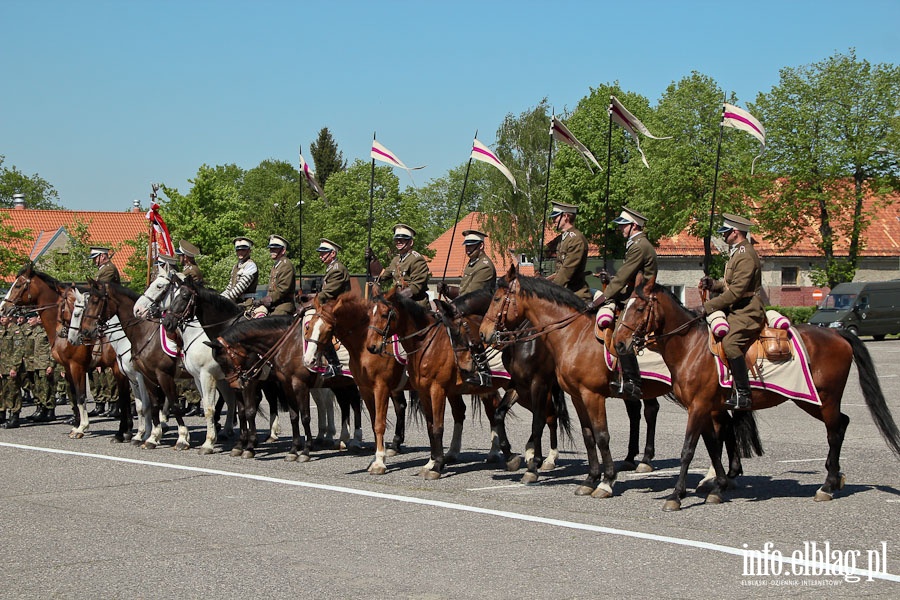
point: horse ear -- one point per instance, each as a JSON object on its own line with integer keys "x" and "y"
{"x": 512, "y": 272}
{"x": 649, "y": 284}
{"x": 214, "y": 344}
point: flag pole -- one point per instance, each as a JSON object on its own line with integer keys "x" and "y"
{"x": 371, "y": 204}
{"x": 707, "y": 241}
{"x": 606, "y": 200}
{"x": 300, "y": 228}
{"x": 540, "y": 266}
{"x": 458, "y": 209}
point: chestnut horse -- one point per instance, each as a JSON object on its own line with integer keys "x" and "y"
{"x": 653, "y": 315}
{"x": 433, "y": 372}
{"x": 562, "y": 324}
{"x": 43, "y": 293}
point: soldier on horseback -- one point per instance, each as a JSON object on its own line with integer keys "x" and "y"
{"x": 188, "y": 253}
{"x": 106, "y": 270}
{"x": 640, "y": 257}
{"x": 739, "y": 299}
{"x": 282, "y": 282}
{"x": 571, "y": 252}
{"x": 408, "y": 270}
{"x": 241, "y": 287}
{"x": 335, "y": 283}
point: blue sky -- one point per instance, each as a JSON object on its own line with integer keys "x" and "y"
{"x": 102, "y": 98}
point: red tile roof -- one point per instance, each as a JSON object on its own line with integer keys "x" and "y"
{"x": 105, "y": 228}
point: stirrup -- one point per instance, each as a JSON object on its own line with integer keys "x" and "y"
{"x": 329, "y": 372}
{"x": 478, "y": 378}
{"x": 738, "y": 401}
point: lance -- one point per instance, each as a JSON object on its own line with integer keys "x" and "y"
{"x": 458, "y": 209}
{"x": 707, "y": 240}
{"x": 546, "y": 198}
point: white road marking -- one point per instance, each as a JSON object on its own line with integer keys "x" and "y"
{"x": 457, "y": 507}
{"x": 496, "y": 487}
{"x": 798, "y": 460}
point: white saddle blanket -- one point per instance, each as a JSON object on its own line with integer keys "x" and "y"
{"x": 651, "y": 364}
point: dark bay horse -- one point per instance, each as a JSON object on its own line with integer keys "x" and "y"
{"x": 433, "y": 372}
{"x": 567, "y": 331}
{"x": 46, "y": 295}
{"x": 109, "y": 310}
{"x": 379, "y": 377}
{"x": 653, "y": 316}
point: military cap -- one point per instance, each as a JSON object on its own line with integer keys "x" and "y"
{"x": 166, "y": 259}
{"x": 629, "y": 215}
{"x": 404, "y": 232}
{"x": 242, "y": 243}
{"x": 561, "y": 208}
{"x": 730, "y": 222}
{"x": 187, "y": 248}
{"x": 326, "y": 245}
{"x": 97, "y": 251}
{"x": 276, "y": 241}
{"x": 473, "y": 236}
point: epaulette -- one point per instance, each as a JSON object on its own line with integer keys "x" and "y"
{"x": 414, "y": 253}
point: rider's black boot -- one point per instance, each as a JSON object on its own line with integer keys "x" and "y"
{"x": 629, "y": 387}
{"x": 741, "y": 399}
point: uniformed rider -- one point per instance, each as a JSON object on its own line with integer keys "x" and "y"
{"x": 740, "y": 300}
{"x": 188, "y": 253}
{"x": 106, "y": 270}
{"x": 241, "y": 287}
{"x": 408, "y": 270}
{"x": 571, "y": 251}
{"x": 640, "y": 257}
{"x": 282, "y": 282}
{"x": 335, "y": 282}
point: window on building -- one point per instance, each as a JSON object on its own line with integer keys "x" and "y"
{"x": 790, "y": 275}
{"x": 677, "y": 291}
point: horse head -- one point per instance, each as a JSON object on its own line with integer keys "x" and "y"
{"x": 181, "y": 306}
{"x": 318, "y": 331}
{"x": 381, "y": 320}
{"x": 27, "y": 290}
{"x": 157, "y": 297}
{"x": 71, "y": 314}
{"x": 97, "y": 310}
{"x": 502, "y": 313}
{"x": 230, "y": 359}
{"x": 643, "y": 316}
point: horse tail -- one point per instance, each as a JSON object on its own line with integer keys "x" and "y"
{"x": 561, "y": 407}
{"x": 871, "y": 389}
{"x": 746, "y": 434}
{"x": 414, "y": 408}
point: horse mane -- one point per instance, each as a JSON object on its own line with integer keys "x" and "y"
{"x": 264, "y": 325}
{"x": 547, "y": 290}
{"x": 659, "y": 289}
{"x": 475, "y": 302}
{"x": 45, "y": 277}
{"x": 216, "y": 300}
{"x": 125, "y": 291}
{"x": 416, "y": 312}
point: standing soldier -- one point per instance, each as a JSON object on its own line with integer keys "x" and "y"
{"x": 335, "y": 283}
{"x": 408, "y": 270}
{"x": 106, "y": 270}
{"x": 5, "y": 354}
{"x": 241, "y": 287}
{"x": 13, "y": 389}
{"x": 40, "y": 364}
{"x": 640, "y": 257}
{"x": 282, "y": 282}
{"x": 479, "y": 272}
{"x": 189, "y": 253}
{"x": 739, "y": 299}
{"x": 571, "y": 252}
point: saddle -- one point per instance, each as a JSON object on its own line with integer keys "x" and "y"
{"x": 773, "y": 345}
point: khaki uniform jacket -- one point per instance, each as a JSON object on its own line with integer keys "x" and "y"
{"x": 335, "y": 282}
{"x": 640, "y": 257}
{"x": 571, "y": 261}
{"x": 479, "y": 273}
{"x": 409, "y": 271}
{"x": 194, "y": 272}
{"x": 37, "y": 349}
{"x": 282, "y": 287}
{"x": 108, "y": 273}
{"x": 739, "y": 298}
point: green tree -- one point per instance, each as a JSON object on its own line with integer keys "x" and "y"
{"x": 11, "y": 256}
{"x": 326, "y": 156}
{"x": 38, "y": 192}
{"x": 832, "y": 136}
{"x": 73, "y": 264}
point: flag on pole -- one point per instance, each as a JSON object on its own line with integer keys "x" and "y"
{"x": 484, "y": 154}
{"x": 381, "y": 153}
{"x": 732, "y": 116}
{"x": 311, "y": 178}
{"x": 160, "y": 233}
{"x": 622, "y": 117}
{"x": 562, "y": 133}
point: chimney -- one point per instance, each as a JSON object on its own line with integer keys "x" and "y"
{"x": 19, "y": 201}
{"x": 136, "y": 206}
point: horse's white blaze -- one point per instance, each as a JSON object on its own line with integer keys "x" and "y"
{"x": 310, "y": 354}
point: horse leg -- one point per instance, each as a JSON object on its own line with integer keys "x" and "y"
{"x": 651, "y": 412}
{"x": 538, "y": 396}
{"x": 124, "y": 403}
{"x": 836, "y": 424}
{"x": 324, "y": 399}
{"x": 301, "y": 390}
{"x": 513, "y": 461}
{"x": 399, "y": 400}
{"x": 376, "y": 399}
{"x": 601, "y": 434}
{"x": 458, "y": 409}
{"x": 294, "y": 411}
{"x": 251, "y": 406}
{"x": 587, "y": 487}
{"x": 184, "y": 436}
{"x": 274, "y": 429}
{"x": 550, "y": 462}
{"x": 155, "y": 436}
{"x": 696, "y": 423}
{"x": 633, "y": 408}
{"x": 245, "y": 399}
{"x": 344, "y": 406}
{"x": 207, "y": 385}
{"x": 82, "y": 421}
{"x": 351, "y": 399}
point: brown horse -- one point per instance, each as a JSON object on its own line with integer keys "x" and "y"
{"x": 653, "y": 316}
{"x": 561, "y": 322}
{"x": 46, "y": 295}
{"x": 433, "y": 372}
{"x": 378, "y": 376}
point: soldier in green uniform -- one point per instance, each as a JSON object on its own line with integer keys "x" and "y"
{"x": 408, "y": 269}
{"x": 41, "y": 367}
{"x": 640, "y": 257}
{"x": 6, "y": 339}
{"x": 14, "y": 368}
{"x": 739, "y": 299}
{"x": 479, "y": 272}
{"x": 241, "y": 288}
{"x": 571, "y": 252}
{"x": 103, "y": 388}
{"x": 188, "y": 253}
{"x": 106, "y": 270}
{"x": 335, "y": 283}
{"x": 282, "y": 282}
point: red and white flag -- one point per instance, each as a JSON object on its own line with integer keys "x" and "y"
{"x": 484, "y": 154}
{"x": 622, "y": 117}
{"x": 159, "y": 233}
{"x": 562, "y": 133}
{"x": 732, "y": 116}
{"x": 381, "y": 153}
{"x": 311, "y": 178}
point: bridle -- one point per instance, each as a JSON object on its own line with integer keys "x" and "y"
{"x": 642, "y": 334}
{"x": 386, "y": 334}
{"x": 503, "y": 336}
{"x": 24, "y": 283}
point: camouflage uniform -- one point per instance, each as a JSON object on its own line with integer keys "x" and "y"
{"x": 13, "y": 368}
{"x": 43, "y": 370}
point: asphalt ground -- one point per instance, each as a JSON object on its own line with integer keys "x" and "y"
{"x": 92, "y": 519}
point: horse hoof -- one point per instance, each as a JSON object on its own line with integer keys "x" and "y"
{"x": 604, "y": 490}
{"x": 291, "y": 458}
{"x": 514, "y": 464}
{"x": 136, "y": 442}
{"x": 377, "y": 470}
{"x": 432, "y": 475}
{"x": 547, "y": 466}
{"x": 148, "y": 446}
{"x": 182, "y": 446}
{"x": 389, "y": 452}
{"x": 116, "y": 440}
{"x": 529, "y": 477}
{"x": 271, "y": 439}
{"x": 248, "y": 454}
{"x": 671, "y": 506}
{"x": 644, "y": 468}
{"x": 235, "y": 452}
{"x": 842, "y": 482}
{"x": 205, "y": 450}
{"x": 628, "y": 465}
{"x": 304, "y": 458}
{"x": 584, "y": 490}
{"x": 714, "y": 499}
{"x": 823, "y": 496}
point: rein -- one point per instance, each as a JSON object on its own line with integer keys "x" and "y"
{"x": 642, "y": 338}
{"x": 253, "y": 371}
{"x": 386, "y": 334}
{"x": 506, "y": 337}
